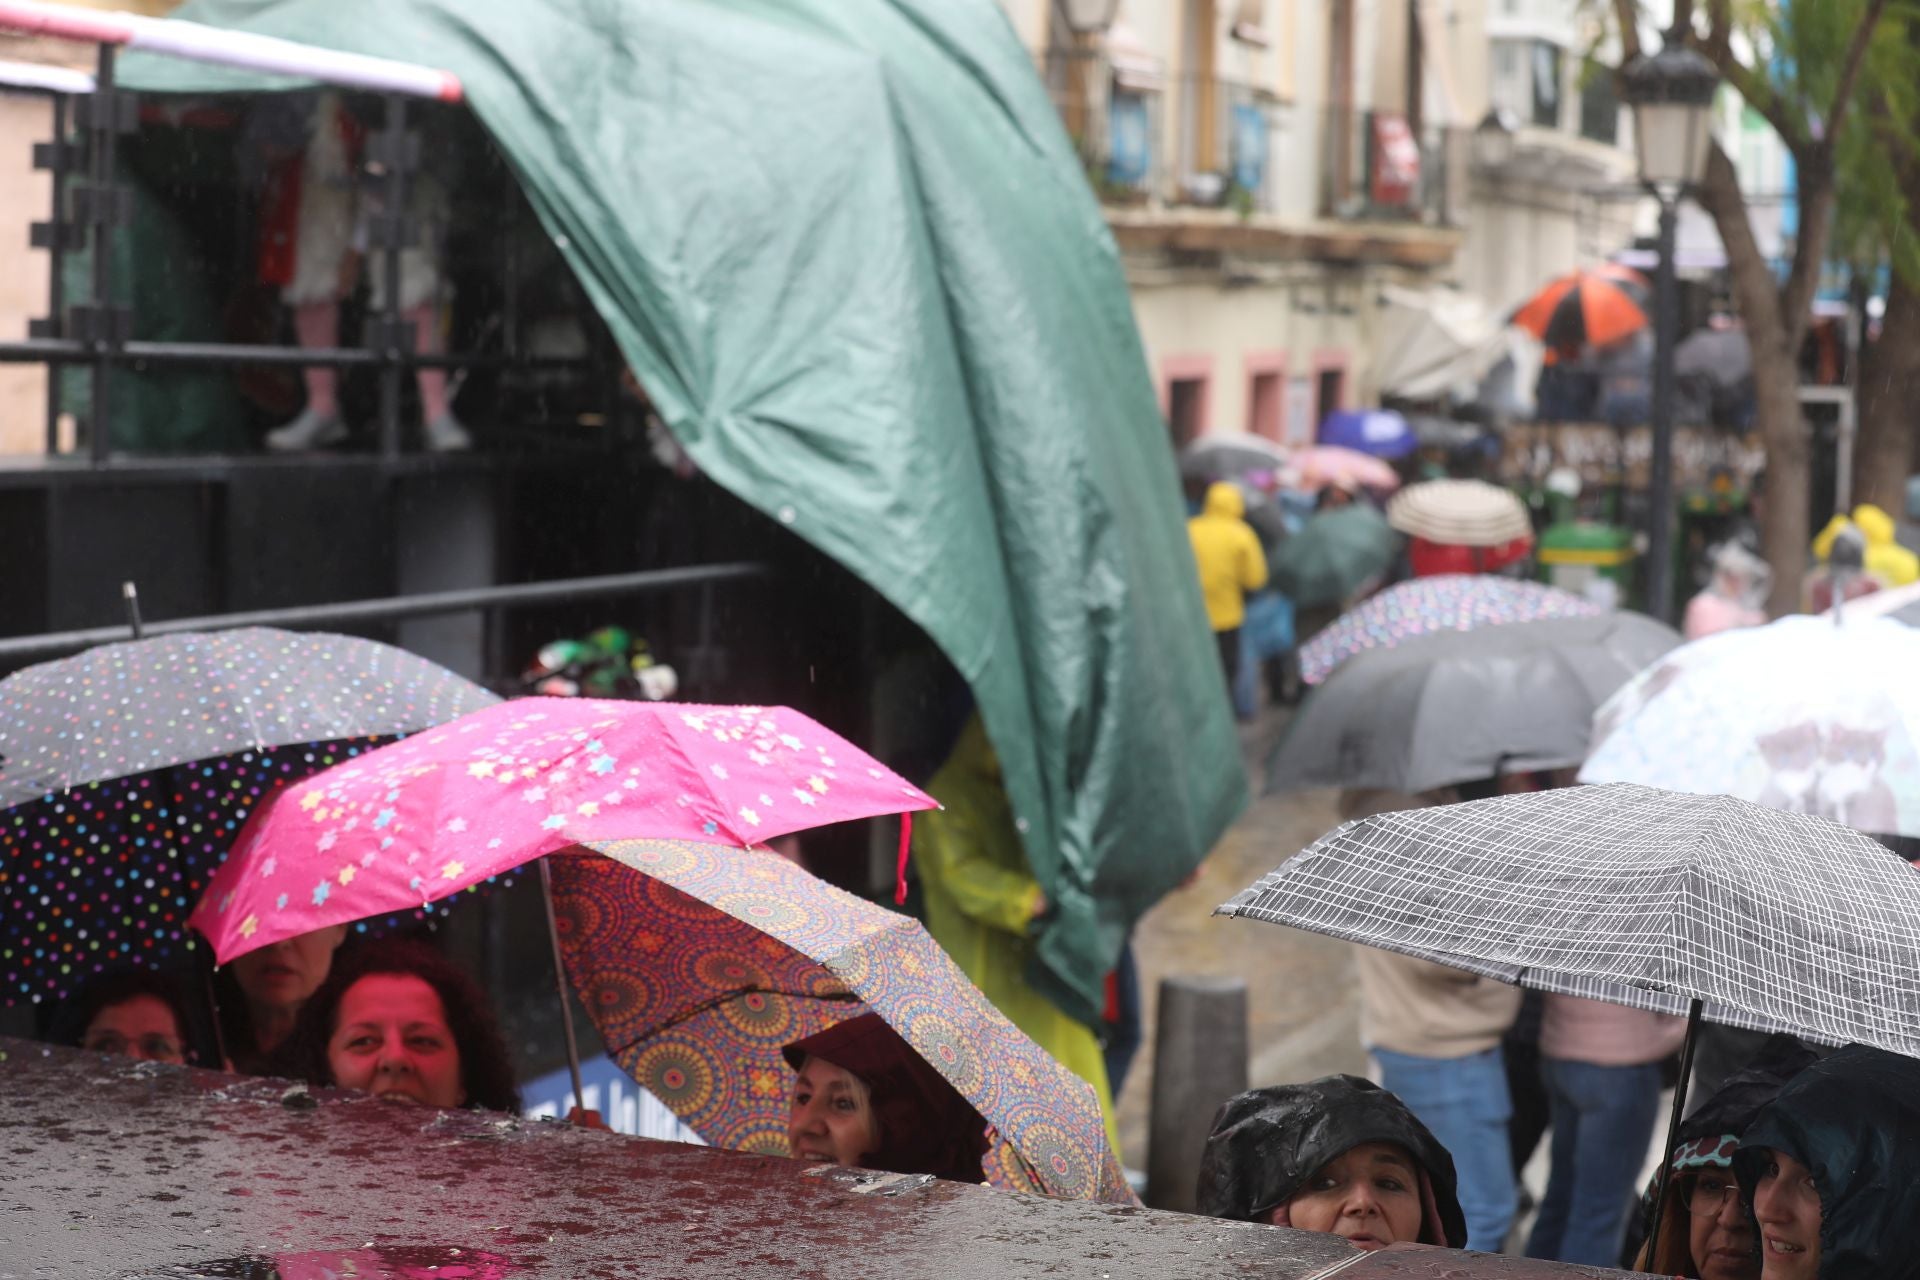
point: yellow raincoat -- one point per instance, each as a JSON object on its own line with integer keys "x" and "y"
{"x": 981, "y": 898}
{"x": 1229, "y": 555}
{"x": 1887, "y": 560}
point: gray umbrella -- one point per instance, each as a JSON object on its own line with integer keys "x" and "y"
{"x": 1722, "y": 357}
{"x": 1703, "y": 905}
{"x": 127, "y": 771}
{"x": 1457, "y": 706}
{"x": 122, "y": 709}
{"x": 1227, "y": 455}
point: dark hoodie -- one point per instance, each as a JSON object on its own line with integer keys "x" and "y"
{"x": 925, "y": 1125}
{"x": 1267, "y": 1143}
{"x": 1707, "y": 1140}
{"x": 1854, "y": 1121}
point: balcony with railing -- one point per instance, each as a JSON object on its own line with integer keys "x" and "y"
{"x": 1378, "y": 167}
{"x": 1145, "y": 137}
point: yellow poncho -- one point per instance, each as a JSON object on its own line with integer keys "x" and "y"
{"x": 981, "y": 898}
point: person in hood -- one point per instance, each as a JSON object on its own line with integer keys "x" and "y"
{"x": 1832, "y": 1169}
{"x": 863, "y": 1096}
{"x": 1736, "y": 596}
{"x": 1231, "y": 564}
{"x": 986, "y": 910}
{"x": 1889, "y": 563}
{"x": 1338, "y": 1154}
{"x": 1705, "y": 1232}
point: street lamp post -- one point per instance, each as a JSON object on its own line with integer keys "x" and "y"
{"x": 1671, "y": 93}
{"x": 1493, "y": 140}
{"x": 1088, "y": 17}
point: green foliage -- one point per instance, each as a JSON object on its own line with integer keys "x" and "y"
{"x": 1877, "y": 158}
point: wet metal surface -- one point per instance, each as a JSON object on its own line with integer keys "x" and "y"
{"x": 114, "y": 1169}
{"x": 1413, "y": 1262}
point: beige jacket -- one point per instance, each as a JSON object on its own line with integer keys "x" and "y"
{"x": 1414, "y": 1007}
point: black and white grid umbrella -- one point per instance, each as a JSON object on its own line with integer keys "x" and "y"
{"x": 1775, "y": 921}
{"x": 1674, "y": 903}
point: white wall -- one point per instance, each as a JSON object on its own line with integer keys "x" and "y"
{"x": 24, "y": 120}
{"x": 1230, "y": 326}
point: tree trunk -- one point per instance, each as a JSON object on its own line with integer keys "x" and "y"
{"x": 1889, "y": 390}
{"x": 1775, "y": 339}
{"x": 1785, "y": 503}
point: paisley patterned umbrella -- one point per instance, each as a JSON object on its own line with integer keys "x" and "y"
{"x": 699, "y": 962}
{"x": 1446, "y": 602}
{"x": 130, "y": 768}
{"x": 423, "y": 819}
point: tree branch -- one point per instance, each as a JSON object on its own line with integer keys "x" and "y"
{"x": 1814, "y": 179}
{"x": 1815, "y": 190}
{"x": 1626, "y": 14}
{"x": 1850, "y": 71}
{"x": 1751, "y": 85}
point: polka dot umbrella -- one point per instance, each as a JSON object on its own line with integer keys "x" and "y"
{"x": 127, "y": 770}
{"x": 1422, "y": 606}
{"x": 420, "y": 820}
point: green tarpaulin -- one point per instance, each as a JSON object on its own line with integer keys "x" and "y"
{"x": 849, "y": 250}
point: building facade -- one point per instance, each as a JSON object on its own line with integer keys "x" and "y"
{"x": 1268, "y": 167}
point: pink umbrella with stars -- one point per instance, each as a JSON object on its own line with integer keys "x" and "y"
{"x": 450, "y": 807}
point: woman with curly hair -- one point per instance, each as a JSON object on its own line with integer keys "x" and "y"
{"x": 397, "y": 1020}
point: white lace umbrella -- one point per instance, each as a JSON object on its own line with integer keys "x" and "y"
{"x": 1460, "y": 513}
{"x": 1801, "y": 715}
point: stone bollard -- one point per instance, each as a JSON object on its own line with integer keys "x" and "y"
{"x": 1199, "y": 1061}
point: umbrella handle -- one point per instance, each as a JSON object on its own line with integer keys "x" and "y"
{"x": 560, "y": 985}
{"x": 131, "y": 594}
{"x": 900, "y": 863}
{"x": 1673, "y": 1127}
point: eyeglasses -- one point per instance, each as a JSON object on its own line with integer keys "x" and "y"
{"x": 1706, "y": 1194}
{"x": 155, "y": 1047}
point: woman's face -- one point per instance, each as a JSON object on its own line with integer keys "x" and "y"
{"x": 1787, "y": 1206}
{"x": 1370, "y": 1195}
{"x": 1719, "y": 1235}
{"x": 832, "y": 1115}
{"x": 142, "y": 1027}
{"x": 391, "y": 1039}
{"x": 283, "y": 975}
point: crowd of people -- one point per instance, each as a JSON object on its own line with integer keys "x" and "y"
{"x": 397, "y": 1020}
{"x": 1792, "y": 1166}
{"x": 1799, "y": 1166}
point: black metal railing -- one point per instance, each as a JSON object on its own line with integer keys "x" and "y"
{"x": 92, "y": 207}
{"x": 351, "y": 613}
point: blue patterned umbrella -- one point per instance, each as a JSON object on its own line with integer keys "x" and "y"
{"x": 1422, "y": 606}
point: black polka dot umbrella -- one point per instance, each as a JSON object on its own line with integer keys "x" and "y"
{"x": 127, "y": 770}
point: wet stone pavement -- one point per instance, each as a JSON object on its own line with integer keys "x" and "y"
{"x": 1302, "y": 999}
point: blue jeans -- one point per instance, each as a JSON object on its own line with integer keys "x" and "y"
{"x": 1602, "y": 1120}
{"x": 1465, "y": 1102}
